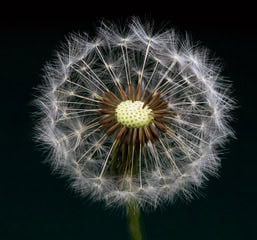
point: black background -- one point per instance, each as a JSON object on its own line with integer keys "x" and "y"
{"x": 36, "y": 204}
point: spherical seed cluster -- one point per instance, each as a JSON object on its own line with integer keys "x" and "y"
{"x": 132, "y": 114}
{"x": 172, "y": 144}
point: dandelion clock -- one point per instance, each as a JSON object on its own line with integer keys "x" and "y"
{"x": 134, "y": 118}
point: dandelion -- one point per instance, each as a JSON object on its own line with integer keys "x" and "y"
{"x": 134, "y": 117}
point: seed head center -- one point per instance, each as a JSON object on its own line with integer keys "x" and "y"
{"x": 132, "y": 114}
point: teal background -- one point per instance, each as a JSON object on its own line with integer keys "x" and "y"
{"x": 36, "y": 204}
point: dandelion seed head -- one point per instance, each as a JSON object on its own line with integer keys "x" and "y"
{"x": 134, "y": 116}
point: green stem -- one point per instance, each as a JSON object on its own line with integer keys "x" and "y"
{"x": 134, "y": 224}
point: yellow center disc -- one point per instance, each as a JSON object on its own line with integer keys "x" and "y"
{"x": 132, "y": 114}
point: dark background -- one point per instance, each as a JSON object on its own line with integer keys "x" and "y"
{"x": 36, "y": 204}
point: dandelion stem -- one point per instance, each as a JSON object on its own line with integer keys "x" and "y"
{"x": 134, "y": 222}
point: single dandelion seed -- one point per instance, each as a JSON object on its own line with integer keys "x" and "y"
{"x": 134, "y": 118}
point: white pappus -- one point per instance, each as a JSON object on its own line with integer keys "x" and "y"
{"x": 133, "y": 116}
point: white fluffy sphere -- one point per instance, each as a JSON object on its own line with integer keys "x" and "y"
{"x": 170, "y": 152}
